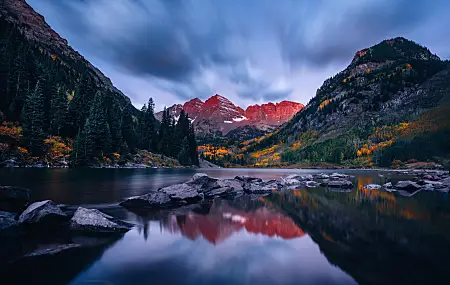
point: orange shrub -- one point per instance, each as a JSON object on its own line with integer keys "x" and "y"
{"x": 10, "y": 132}
{"x": 57, "y": 148}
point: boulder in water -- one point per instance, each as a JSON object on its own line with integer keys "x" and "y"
{"x": 93, "y": 221}
{"x": 43, "y": 212}
{"x": 150, "y": 200}
{"x": 407, "y": 186}
{"x": 262, "y": 187}
{"x": 248, "y": 179}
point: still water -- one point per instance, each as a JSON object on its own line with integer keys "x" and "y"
{"x": 305, "y": 236}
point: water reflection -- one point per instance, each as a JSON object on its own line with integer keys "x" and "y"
{"x": 242, "y": 241}
{"x": 224, "y": 220}
{"x": 375, "y": 236}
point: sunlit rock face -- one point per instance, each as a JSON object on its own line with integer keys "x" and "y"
{"x": 223, "y": 221}
{"x": 218, "y": 115}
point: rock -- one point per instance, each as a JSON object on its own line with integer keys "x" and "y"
{"x": 307, "y": 177}
{"x": 182, "y": 191}
{"x": 94, "y": 221}
{"x": 388, "y": 185}
{"x": 428, "y": 187}
{"x": 261, "y": 187}
{"x": 445, "y": 181}
{"x": 321, "y": 176}
{"x": 234, "y": 184}
{"x": 434, "y": 184}
{"x": 203, "y": 183}
{"x": 407, "y": 185}
{"x": 44, "y": 212}
{"x": 339, "y": 176}
{"x": 9, "y": 227}
{"x": 248, "y": 179}
{"x": 150, "y": 200}
{"x": 300, "y": 177}
{"x": 226, "y": 188}
{"x": 372, "y": 186}
{"x": 312, "y": 184}
{"x": 431, "y": 177}
{"x": 199, "y": 176}
{"x": 13, "y": 199}
{"x": 340, "y": 184}
{"x": 289, "y": 181}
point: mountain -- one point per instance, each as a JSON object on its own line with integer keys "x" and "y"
{"x": 56, "y": 108}
{"x": 218, "y": 115}
{"x": 389, "y": 106}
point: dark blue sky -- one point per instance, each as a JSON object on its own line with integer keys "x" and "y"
{"x": 250, "y": 51}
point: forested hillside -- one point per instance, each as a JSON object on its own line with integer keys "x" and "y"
{"x": 390, "y": 106}
{"x": 57, "y": 109}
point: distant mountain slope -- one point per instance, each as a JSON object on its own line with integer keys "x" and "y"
{"x": 391, "y": 103}
{"x": 218, "y": 115}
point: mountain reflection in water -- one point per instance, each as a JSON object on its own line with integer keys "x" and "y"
{"x": 223, "y": 220}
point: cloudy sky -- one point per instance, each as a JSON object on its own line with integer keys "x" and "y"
{"x": 250, "y": 51}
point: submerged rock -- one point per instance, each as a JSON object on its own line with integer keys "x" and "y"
{"x": 94, "y": 221}
{"x": 13, "y": 199}
{"x": 9, "y": 227}
{"x": 44, "y": 212}
{"x": 51, "y": 249}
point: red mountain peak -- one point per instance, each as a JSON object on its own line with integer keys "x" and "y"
{"x": 218, "y": 114}
{"x": 193, "y": 107}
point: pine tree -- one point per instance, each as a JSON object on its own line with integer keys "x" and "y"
{"x": 79, "y": 156}
{"x": 184, "y": 156}
{"x": 164, "y": 133}
{"x": 151, "y": 126}
{"x": 98, "y": 136}
{"x": 193, "y": 145}
{"x": 58, "y": 110}
{"x": 78, "y": 110}
{"x": 128, "y": 130}
{"x": 33, "y": 117}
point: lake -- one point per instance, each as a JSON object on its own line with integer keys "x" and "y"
{"x": 303, "y": 236}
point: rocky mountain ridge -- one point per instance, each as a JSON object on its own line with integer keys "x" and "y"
{"x": 390, "y": 92}
{"x": 218, "y": 115}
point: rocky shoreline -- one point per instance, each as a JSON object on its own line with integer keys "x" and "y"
{"x": 21, "y": 220}
{"x": 24, "y": 225}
